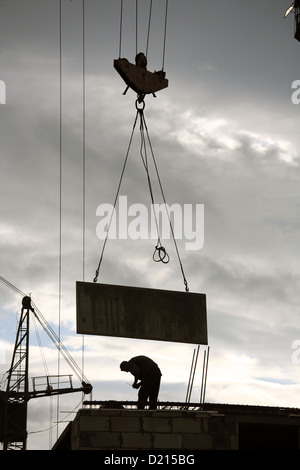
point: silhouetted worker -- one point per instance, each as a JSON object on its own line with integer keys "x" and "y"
{"x": 147, "y": 377}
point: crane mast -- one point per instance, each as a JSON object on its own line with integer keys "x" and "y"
{"x": 14, "y": 400}
{"x": 17, "y": 389}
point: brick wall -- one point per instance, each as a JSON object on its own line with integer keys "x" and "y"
{"x": 144, "y": 429}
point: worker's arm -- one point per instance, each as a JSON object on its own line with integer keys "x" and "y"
{"x": 135, "y": 371}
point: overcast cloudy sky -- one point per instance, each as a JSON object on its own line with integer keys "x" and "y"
{"x": 225, "y": 134}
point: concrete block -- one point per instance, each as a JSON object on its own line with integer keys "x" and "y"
{"x": 205, "y": 425}
{"x": 197, "y": 441}
{"x": 136, "y": 441}
{"x": 153, "y": 424}
{"x": 187, "y": 425}
{"x": 221, "y": 441}
{"x": 219, "y": 424}
{"x": 99, "y": 423}
{"x": 167, "y": 441}
{"x": 125, "y": 424}
{"x": 100, "y": 440}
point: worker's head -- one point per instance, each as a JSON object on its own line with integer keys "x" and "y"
{"x": 124, "y": 366}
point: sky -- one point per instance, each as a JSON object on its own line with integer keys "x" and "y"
{"x": 225, "y": 135}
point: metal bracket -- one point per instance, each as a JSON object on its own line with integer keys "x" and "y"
{"x": 138, "y": 78}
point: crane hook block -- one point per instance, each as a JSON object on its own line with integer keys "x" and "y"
{"x": 138, "y": 78}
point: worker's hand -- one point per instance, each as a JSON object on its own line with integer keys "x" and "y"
{"x": 136, "y": 385}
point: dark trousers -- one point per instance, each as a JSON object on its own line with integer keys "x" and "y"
{"x": 149, "y": 390}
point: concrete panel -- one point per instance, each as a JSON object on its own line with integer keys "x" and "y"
{"x": 134, "y": 312}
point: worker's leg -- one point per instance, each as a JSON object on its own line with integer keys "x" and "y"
{"x": 142, "y": 397}
{"x": 153, "y": 393}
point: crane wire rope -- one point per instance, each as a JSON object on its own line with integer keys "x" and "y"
{"x": 60, "y": 172}
{"x": 144, "y": 157}
{"x": 148, "y": 31}
{"x": 54, "y": 425}
{"x": 60, "y": 194}
{"x": 60, "y": 346}
{"x": 165, "y": 34}
{"x": 159, "y": 249}
{"x": 121, "y": 29}
{"x": 50, "y": 332}
{"x": 165, "y": 203}
{"x": 163, "y": 256}
{"x": 149, "y": 25}
{"x": 40, "y": 346}
{"x": 83, "y": 139}
{"x": 136, "y": 26}
{"x": 83, "y": 166}
{"x": 56, "y": 338}
{"x": 47, "y": 374}
{"x": 115, "y": 200}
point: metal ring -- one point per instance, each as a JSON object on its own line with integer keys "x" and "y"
{"x": 140, "y": 102}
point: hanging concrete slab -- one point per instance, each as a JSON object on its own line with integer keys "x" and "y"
{"x": 135, "y": 312}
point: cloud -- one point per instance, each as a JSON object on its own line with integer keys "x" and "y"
{"x": 228, "y": 143}
{"x": 207, "y": 68}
